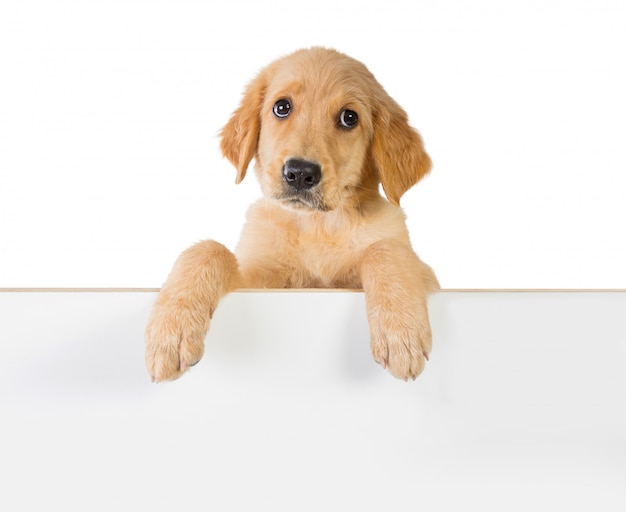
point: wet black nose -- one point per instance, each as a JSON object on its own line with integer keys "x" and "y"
{"x": 301, "y": 174}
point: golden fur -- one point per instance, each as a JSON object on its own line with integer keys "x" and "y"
{"x": 338, "y": 233}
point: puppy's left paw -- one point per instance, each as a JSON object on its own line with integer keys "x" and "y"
{"x": 174, "y": 339}
{"x": 401, "y": 343}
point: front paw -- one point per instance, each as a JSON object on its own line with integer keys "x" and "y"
{"x": 401, "y": 344}
{"x": 174, "y": 340}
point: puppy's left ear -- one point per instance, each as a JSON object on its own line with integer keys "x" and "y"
{"x": 398, "y": 150}
{"x": 240, "y": 136}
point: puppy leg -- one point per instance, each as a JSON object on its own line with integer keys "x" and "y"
{"x": 181, "y": 316}
{"x": 396, "y": 284}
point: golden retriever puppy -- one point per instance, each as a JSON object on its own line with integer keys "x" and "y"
{"x": 323, "y": 134}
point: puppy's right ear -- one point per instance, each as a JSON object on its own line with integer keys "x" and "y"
{"x": 240, "y": 136}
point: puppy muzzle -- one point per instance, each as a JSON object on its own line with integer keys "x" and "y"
{"x": 300, "y": 185}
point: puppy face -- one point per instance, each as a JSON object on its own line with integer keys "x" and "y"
{"x": 323, "y": 134}
{"x": 316, "y": 128}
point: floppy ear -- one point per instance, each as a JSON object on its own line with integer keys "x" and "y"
{"x": 240, "y": 136}
{"x": 398, "y": 150}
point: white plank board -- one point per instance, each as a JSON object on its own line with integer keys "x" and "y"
{"x": 521, "y": 407}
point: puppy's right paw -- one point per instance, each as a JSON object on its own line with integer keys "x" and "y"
{"x": 174, "y": 340}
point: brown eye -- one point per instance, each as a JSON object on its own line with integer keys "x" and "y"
{"x": 348, "y": 119}
{"x": 282, "y": 108}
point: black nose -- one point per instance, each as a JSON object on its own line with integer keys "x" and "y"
{"x": 301, "y": 174}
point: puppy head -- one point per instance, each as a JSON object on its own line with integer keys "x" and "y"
{"x": 323, "y": 134}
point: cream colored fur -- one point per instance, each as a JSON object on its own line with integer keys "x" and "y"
{"x": 341, "y": 234}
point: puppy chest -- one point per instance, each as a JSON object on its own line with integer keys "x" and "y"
{"x": 329, "y": 261}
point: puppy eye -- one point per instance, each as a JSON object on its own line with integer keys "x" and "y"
{"x": 282, "y": 108}
{"x": 348, "y": 119}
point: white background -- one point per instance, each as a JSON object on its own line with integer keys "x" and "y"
{"x": 109, "y": 111}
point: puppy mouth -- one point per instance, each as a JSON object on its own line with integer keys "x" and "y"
{"x": 302, "y": 200}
